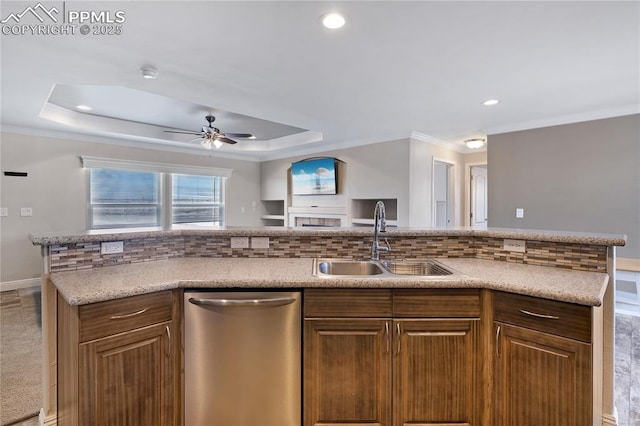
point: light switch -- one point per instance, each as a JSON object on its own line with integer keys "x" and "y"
{"x": 519, "y": 213}
{"x": 26, "y": 212}
{"x": 4, "y": 212}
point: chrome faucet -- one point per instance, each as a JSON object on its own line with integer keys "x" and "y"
{"x": 379, "y": 225}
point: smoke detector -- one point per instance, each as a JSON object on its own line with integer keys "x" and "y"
{"x": 149, "y": 73}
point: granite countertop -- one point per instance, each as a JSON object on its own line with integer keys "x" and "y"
{"x": 53, "y": 238}
{"x": 113, "y": 282}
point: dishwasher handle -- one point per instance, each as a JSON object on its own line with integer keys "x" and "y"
{"x": 243, "y": 303}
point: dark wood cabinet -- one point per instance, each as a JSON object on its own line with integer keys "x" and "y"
{"x": 541, "y": 377}
{"x": 436, "y": 378}
{"x": 414, "y": 369}
{"x": 118, "y": 362}
{"x": 347, "y": 372}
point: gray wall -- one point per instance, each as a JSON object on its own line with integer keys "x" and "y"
{"x": 574, "y": 177}
{"x": 56, "y": 189}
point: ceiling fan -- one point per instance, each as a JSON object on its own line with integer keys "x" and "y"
{"x": 212, "y": 136}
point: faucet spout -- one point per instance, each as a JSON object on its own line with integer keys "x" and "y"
{"x": 379, "y": 225}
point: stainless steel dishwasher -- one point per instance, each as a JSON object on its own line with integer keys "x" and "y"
{"x": 242, "y": 364}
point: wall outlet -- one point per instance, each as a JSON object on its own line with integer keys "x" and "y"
{"x": 259, "y": 242}
{"x": 239, "y": 242}
{"x": 112, "y": 247}
{"x": 518, "y": 246}
{"x": 519, "y": 213}
{"x": 4, "y": 212}
{"x": 26, "y": 211}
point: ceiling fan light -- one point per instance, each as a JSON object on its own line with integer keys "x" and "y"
{"x": 206, "y": 143}
{"x": 475, "y": 143}
{"x": 217, "y": 143}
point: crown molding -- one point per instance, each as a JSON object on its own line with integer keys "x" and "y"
{"x": 565, "y": 119}
{"x": 130, "y": 143}
{"x": 451, "y": 146}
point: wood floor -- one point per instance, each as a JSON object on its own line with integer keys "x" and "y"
{"x": 21, "y": 334}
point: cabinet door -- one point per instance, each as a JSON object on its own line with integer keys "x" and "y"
{"x": 347, "y": 372}
{"x": 127, "y": 379}
{"x": 436, "y": 373}
{"x": 541, "y": 379}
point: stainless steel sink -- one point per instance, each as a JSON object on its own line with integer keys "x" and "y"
{"x": 423, "y": 268}
{"x": 348, "y": 267}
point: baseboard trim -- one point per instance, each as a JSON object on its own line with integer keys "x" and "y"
{"x": 51, "y": 420}
{"x": 20, "y": 284}
{"x": 609, "y": 420}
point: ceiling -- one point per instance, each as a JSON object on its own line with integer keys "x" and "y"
{"x": 396, "y": 69}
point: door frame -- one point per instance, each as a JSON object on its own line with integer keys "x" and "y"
{"x": 467, "y": 189}
{"x": 451, "y": 191}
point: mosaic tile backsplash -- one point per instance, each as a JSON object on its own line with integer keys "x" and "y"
{"x": 583, "y": 257}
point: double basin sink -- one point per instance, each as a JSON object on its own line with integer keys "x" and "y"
{"x": 372, "y": 268}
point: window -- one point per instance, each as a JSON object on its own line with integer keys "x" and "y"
{"x": 197, "y": 199}
{"x": 130, "y": 193}
{"x": 122, "y": 198}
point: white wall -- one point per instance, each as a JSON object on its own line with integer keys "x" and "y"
{"x": 371, "y": 171}
{"x": 422, "y": 155}
{"x": 401, "y": 169}
{"x": 56, "y": 189}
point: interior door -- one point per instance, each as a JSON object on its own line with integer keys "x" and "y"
{"x": 442, "y": 194}
{"x": 479, "y": 211}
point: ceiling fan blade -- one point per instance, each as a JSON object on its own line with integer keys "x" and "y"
{"x": 194, "y": 139}
{"x": 226, "y": 140}
{"x": 181, "y": 133}
{"x": 206, "y": 129}
{"x": 239, "y": 135}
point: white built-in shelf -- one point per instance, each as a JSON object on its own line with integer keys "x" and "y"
{"x": 362, "y": 210}
{"x": 370, "y": 222}
{"x": 272, "y": 216}
{"x": 274, "y": 213}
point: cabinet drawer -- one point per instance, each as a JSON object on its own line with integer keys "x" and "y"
{"x": 549, "y": 316}
{"x": 116, "y": 316}
{"x": 362, "y": 303}
{"x": 435, "y": 302}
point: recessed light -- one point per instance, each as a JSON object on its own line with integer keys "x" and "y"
{"x": 475, "y": 143}
{"x": 332, "y": 20}
{"x": 490, "y": 102}
{"x": 149, "y": 73}
{"x": 84, "y": 107}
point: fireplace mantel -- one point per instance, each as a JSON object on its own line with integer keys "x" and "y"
{"x": 318, "y": 216}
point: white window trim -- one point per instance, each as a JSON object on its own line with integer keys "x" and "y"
{"x": 166, "y": 169}
{"x": 161, "y": 220}
{"x": 89, "y": 162}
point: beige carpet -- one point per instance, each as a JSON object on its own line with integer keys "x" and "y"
{"x": 20, "y": 355}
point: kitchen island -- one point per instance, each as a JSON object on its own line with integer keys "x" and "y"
{"x": 565, "y": 268}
